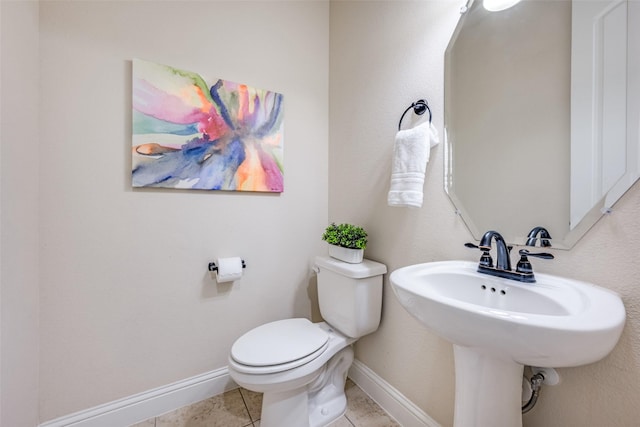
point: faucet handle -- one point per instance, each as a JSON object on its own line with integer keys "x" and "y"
{"x": 485, "y": 259}
{"x": 524, "y": 266}
{"x": 543, "y": 255}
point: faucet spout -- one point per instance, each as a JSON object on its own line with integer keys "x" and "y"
{"x": 503, "y": 261}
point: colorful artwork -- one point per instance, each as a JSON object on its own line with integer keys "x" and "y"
{"x": 189, "y": 135}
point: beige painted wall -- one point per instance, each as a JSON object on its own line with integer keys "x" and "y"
{"x": 385, "y": 55}
{"x": 126, "y": 301}
{"x": 18, "y": 214}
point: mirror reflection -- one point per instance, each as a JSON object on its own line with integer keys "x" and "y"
{"x": 536, "y": 136}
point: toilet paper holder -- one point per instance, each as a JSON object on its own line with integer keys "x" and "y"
{"x": 214, "y": 267}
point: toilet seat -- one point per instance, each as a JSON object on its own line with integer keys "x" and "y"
{"x": 279, "y": 346}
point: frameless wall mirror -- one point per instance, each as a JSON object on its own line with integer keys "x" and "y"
{"x": 542, "y": 115}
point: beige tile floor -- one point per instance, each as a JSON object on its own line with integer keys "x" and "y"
{"x": 241, "y": 408}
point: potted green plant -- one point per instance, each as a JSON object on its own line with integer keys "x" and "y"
{"x": 346, "y": 242}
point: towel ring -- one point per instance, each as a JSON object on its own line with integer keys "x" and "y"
{"x": 419, "y": 107}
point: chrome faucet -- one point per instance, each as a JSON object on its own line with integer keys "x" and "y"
{"x": 545, "y": 237}
{"x": 523, "y": 271}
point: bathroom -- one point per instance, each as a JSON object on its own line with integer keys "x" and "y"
{"x": 104, "y": 289}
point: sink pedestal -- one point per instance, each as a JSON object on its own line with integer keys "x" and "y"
{"x": 488, "y": 390}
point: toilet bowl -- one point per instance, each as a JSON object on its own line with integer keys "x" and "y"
{"x": 288, "y": 387}
{"x": 300, "y": 366}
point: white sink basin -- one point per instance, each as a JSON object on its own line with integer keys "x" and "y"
{"x": 554, "y": 322}
{"x": 499, "y": 325}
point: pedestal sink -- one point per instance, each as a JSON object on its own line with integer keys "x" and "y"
{"x": 497, "y": 326}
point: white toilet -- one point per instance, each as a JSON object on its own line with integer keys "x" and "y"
{"x": 301, "y": 367}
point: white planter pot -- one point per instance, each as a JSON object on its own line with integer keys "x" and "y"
{"x": 352, "y": 256}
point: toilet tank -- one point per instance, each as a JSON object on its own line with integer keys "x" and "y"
{"x": 350, "y": 295}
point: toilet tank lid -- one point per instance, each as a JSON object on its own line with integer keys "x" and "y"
{"x": 364, "y": 269}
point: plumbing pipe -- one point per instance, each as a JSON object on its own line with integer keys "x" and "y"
{"x": 536, "y": 384}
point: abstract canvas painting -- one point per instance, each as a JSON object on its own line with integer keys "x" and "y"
{"x": 188, "y": 134}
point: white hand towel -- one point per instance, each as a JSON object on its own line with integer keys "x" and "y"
{"x": 410, "y": 157}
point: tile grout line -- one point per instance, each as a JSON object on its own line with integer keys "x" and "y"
{"x": 350, "y": 422}
{"x": 246, "y": 406}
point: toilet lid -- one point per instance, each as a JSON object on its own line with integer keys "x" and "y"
{"x": 279, "y": 342}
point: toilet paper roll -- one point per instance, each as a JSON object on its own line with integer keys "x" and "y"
{"x": 229, "y": 269}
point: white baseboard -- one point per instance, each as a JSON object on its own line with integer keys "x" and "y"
{"x": 148, "y": 404}
{"x": 142, "y": 406}
{"x": 405, "y": 412}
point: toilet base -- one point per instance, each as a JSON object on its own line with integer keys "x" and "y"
{"x": 285, "y": 408}
{"x": 327, "y": 400}
{"x": 315, "y": 405}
